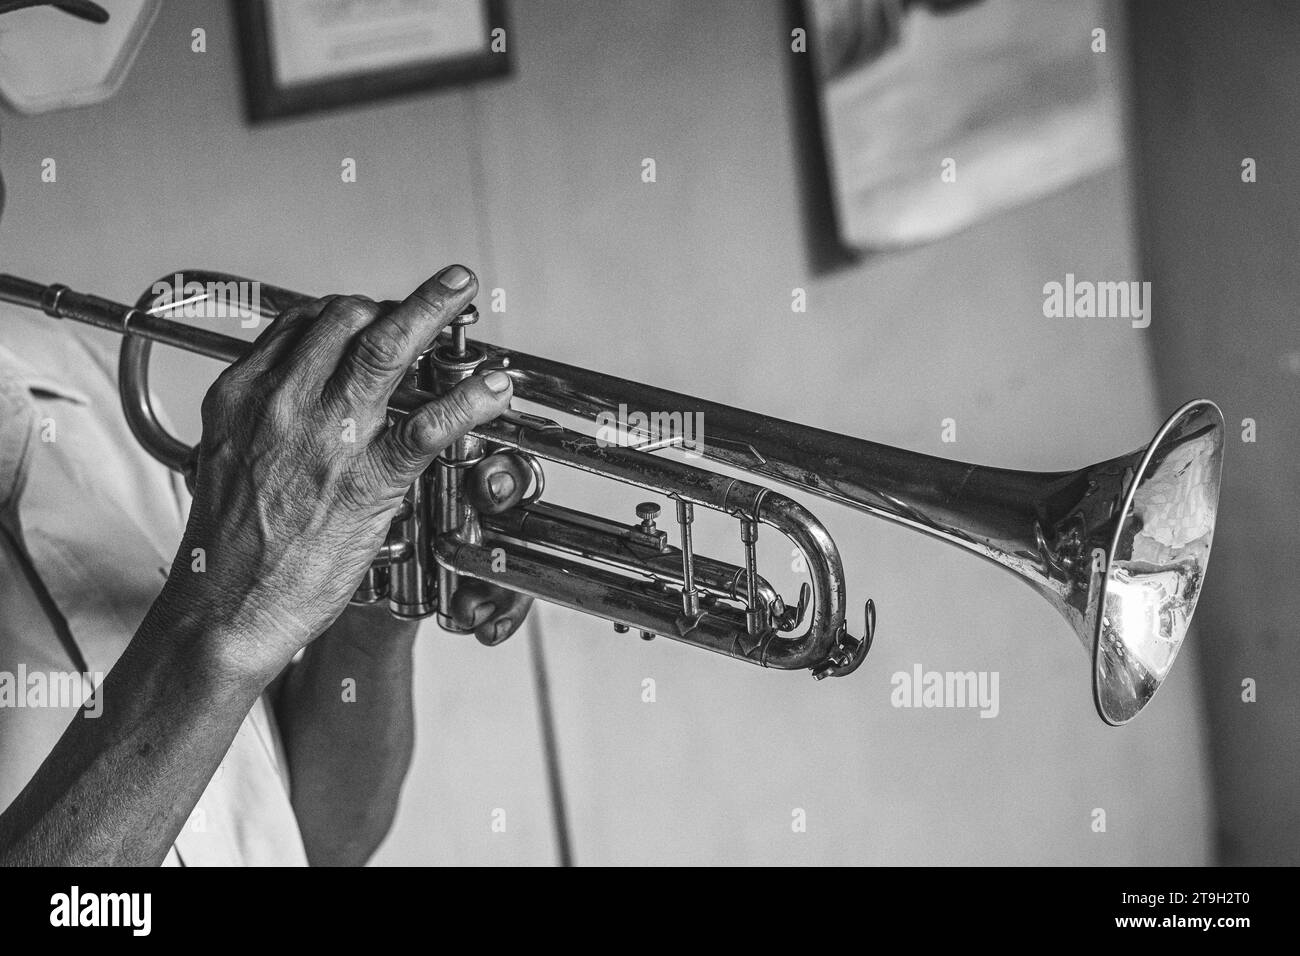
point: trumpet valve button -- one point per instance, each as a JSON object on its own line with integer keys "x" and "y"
{"x": 467, "y": 317}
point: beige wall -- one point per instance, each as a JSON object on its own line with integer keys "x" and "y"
{"x": 686, "y": 283}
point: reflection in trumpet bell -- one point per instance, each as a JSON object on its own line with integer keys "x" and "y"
{"x": 1157, "y": 561}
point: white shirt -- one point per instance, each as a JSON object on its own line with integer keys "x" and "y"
{"x": 88, "y": 528}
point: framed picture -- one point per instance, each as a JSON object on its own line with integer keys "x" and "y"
{"x": 302, "y": 56}
{"x": 937, "y": 114}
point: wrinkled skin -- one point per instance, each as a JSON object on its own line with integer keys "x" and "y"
{"x": 298, "y": 473}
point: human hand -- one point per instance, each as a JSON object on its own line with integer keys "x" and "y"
{"x": 299, "y": 473}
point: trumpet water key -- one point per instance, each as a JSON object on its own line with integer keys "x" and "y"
{"x": 1119, "y": 548}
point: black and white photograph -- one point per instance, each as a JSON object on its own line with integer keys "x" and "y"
{"x": 651, "y": 433}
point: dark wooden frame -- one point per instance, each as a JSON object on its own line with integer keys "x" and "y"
{"x": 265, "y": 100}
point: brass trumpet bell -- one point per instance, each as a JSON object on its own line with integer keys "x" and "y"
{"x": 1154, "y": 568}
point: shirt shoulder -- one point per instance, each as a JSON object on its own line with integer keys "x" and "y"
{"x": 47, "y": 355}
{"x": 42, "y": 362}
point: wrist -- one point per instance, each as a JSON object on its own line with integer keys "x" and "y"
{"x": 229, "y": 639}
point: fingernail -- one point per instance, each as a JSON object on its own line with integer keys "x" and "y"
{"x": 455, "y": 277}
{"x": 501, "y": 485}
{"x": 502, "y": 630}
{"x": 482, "y": 613}
{"x": 497, "y": 381}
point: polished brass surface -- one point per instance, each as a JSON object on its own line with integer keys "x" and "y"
{"x": 1119, "y": 548}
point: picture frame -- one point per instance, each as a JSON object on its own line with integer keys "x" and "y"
{"x": 1014, "y": 93}
{"x": 307, "y": 56}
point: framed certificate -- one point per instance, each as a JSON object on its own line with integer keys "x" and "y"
{"x": 301, "y": 56}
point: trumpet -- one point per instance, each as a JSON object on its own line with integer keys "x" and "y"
{"x": 1119, "y": 548}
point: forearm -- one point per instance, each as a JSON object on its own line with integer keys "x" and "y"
{"x": 117, "y": 788}
{"x": 346, "y": 717}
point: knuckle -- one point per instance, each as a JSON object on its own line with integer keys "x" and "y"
{"x": 378, "y": 352}
{"x": 432, "y": 429}
{"x": 457, "y": 411}
{"x": 313, "y": 309}
{"x": 285, "y": 317}
{"x": 434, "y": 303}
{"x": 352, "y": 309}
{"x": 400, "y": 456}
{"x": 427, "y": 433}
{"x": 281, "y": 409}
{"x": 223, "y": 394}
